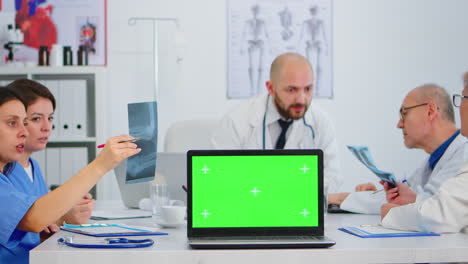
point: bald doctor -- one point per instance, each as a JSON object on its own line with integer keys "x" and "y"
{"x": 444, "y": 212}
{"x": 283, "y": 118}
{"x": 427, "y": 122}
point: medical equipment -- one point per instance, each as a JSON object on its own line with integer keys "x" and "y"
{"x": 264, "y": 124}
{"x": 109, "y": 243}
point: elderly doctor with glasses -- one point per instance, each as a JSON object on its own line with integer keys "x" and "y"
{"x": 447, "y": 210}
{"x": 428, "y": 123}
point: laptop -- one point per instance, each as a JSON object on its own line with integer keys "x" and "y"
{"x": 255, "y": 199}
{"x": 172, "y": 166}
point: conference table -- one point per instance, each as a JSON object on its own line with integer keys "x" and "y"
{"x": 173, "y": 248}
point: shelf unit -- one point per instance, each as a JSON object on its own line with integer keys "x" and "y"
{"x": 67, "y": 152}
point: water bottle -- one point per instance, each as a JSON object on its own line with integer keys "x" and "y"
{"x": 56, "y": 56}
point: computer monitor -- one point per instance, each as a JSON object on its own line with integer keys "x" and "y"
{"x": 143, "y": 122}
{"x": 171, "y": 166}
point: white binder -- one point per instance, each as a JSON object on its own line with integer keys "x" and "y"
{"x": 66, "y": 108}
{"x": 53, "y": 86}
{"x": 73, "y": 159}
{"x": 80, "y": 107}
{"x": 40, "y": 157}
{"x": 52, "y": 168}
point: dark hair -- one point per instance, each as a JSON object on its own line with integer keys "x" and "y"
{"x": 31, "y": 91}
{"x": 7, "y": 94}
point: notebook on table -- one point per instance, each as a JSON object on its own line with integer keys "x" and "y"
{"x": 255, "y": 199}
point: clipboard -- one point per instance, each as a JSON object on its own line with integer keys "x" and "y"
{"x": 375, "y": 231}
{"x": 108, "y": 230}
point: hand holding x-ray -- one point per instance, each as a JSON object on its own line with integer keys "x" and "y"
{"x": 362, "y": 154}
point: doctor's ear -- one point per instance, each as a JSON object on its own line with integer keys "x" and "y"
{"x": 433, "y": 110}
{"x": 269, "y": 86}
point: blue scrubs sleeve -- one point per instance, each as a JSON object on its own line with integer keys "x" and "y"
{"x": 13, "y": 207}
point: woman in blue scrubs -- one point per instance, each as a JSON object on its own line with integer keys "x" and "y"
{"x": 24, "y": 212}
{"x": 40, "y": 110}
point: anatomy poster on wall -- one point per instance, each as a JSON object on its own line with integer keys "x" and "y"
{"x": 260, "y": 30}
{"x": 63, "y": 22}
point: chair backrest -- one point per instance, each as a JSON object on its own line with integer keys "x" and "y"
{"x": 189, "y": 134}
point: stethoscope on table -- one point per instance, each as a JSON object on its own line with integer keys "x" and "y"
{"x": 109, "y": 243}
{"x": 264, "y": 124}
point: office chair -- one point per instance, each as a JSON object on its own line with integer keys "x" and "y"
{"x": 189, "y": 134}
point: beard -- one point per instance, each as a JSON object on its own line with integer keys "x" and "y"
{"x": 288, "y": 112}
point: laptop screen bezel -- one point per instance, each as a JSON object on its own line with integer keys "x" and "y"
{"x": 255, "y": 231}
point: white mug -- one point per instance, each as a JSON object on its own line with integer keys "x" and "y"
{"x": 173, "y": 214}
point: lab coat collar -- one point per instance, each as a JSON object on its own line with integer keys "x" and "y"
{"x": 272, "y": 114}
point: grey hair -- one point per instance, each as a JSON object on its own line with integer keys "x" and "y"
{"x": 438, "y": 95}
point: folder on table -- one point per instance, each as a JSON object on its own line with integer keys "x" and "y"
{"x": 372, "y": 231}
{"x": 109, "y": 230}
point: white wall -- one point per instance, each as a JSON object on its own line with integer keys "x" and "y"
{"x": 382, "y": 49}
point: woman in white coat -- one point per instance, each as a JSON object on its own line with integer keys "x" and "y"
{"x": 446, "y": 211}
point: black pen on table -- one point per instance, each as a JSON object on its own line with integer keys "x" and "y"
{"x": 123, "y": 141}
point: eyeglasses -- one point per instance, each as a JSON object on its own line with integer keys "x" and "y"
{"x": 457, "y": 99}
{"x": 404, "y": 109}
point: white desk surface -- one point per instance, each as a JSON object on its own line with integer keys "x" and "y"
{"x": 173, "y": 248}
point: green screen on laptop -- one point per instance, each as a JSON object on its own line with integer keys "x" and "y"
{"x": 255, "y": 191}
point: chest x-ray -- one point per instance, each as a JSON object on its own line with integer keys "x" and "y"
{"x": 143, "y": 122}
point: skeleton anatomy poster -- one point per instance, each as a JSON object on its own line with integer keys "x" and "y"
{"x": 260, "y": 30}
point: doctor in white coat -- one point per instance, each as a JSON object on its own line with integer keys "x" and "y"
{"x": 447, "y": 210}
{"x": 283, "y": 118}
{"x": 427, "y": 122}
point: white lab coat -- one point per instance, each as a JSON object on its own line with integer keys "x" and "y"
{"x": 445, "y": 212}
{"x": 242, "y": 128}
{"x": 447, "y": 167}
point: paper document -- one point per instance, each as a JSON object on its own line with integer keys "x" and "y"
{"x": 363, "y": 155}
{"x": 119, "y": 214}
{"x": 371, "y": 231}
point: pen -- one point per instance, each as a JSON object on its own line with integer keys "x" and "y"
{"x": 123, "y": 141}
{"x": 377, "y": 191}
{"x": 184, "y": 187}
{"x": 403, "y": 181}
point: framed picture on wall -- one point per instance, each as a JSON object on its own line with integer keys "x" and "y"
{"x": 260, "y": 30}
{"x": 63, "y": 22}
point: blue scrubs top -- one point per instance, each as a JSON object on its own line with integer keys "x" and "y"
{"x": 17, "y": 195}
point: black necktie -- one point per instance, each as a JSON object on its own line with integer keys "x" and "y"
{"x": 282, "y": 137}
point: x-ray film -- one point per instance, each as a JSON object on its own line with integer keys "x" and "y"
{"x": 143, "y": 122}
{"x": 362, "y": 154}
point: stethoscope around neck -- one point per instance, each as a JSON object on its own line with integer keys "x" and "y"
{"x": 264, "y": 124}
